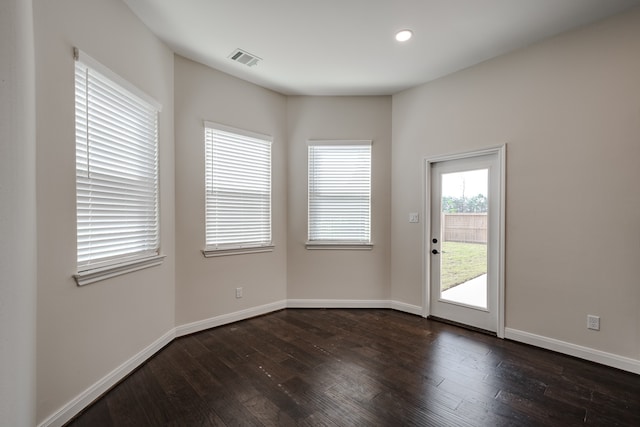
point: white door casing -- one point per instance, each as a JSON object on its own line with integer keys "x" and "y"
{"x": 491, "y": 317}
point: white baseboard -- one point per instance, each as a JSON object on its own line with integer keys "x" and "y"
{"x": 84, "y": 399}
{"x": 598, "y": 356}
{"x": 340, "y": 303}
{"x": 337, "y": 303}
{"x": 407, "y": 308}
{"x": 225, "y": 319}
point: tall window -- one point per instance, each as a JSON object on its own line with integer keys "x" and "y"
{"x": 238, "y": 191}
{"x": 339, "y": 194}
{"x": 116, "y": 169}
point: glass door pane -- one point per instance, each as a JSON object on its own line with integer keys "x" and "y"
{"x": 464, "y": 226}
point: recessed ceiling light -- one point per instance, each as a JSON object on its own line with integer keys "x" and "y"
{"x": 404, "y": 35}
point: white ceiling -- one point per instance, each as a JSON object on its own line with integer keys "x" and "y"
{"x": 347, "y": 47}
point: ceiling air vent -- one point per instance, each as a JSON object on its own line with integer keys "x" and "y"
{"x": 245, "y": 58}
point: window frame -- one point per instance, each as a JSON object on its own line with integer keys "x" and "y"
{"x": 93, "y": 269}
{"x": 338, "y": 244}
{"x": 212, "y": 249}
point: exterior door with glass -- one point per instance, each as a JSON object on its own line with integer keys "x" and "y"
{"x": 464, "y": 241}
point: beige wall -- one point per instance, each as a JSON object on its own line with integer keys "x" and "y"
{"x": 86, "y": 332}
{"x": 206, "y": 286}
{"x": 18, "y": 246}
{"x": 569, "y": 110}
{"x": 339, "y": 274}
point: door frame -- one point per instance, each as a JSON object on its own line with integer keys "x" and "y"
{"x": 500, "y": 151}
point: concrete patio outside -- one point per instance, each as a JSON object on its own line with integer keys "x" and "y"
{"x": 472, "y": 292}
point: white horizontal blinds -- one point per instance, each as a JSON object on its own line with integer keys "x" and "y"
{"x": 116, "y": 172}
{"x": 340, "y": 191}
{"x": 238, "y": 188}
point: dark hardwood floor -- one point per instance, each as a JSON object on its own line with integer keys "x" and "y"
{"x": 362, "y": 367}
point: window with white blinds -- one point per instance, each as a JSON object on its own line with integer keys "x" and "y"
{"x": 339, "y": 192}
{"x": 116, "y": 169}
{"x": 238, "y": 191}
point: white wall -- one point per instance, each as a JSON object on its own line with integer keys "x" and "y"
{"x": 206, "y": 286}
{"x": 83, "y": 333}
{"x": 17, "y": 215}
{"x": 339, "y": 274}
{"x": 569, "y": 110}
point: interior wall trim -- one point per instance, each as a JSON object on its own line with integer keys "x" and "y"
{"x": 223, "y": 319}
{"x": 84, "y": 399}
{"x": 407, "y": 308}
{"x": 337, "y": 303}
{"x": 342, "y": 303}
{"x": 587, "y": 353}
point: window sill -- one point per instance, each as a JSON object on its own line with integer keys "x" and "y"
{"x": 350, "y": 246}
{"x": 101, "y": 273}
{"x": 211, "y": 253}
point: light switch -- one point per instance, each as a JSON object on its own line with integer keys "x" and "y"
{"x": 414, "y": 217}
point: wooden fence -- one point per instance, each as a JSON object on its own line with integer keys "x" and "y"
{"x": 465, "y": 227}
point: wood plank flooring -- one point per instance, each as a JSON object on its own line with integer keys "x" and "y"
{"x": 362, "y": 367}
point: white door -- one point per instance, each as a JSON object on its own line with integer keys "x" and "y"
{"x": 464, "y": 241}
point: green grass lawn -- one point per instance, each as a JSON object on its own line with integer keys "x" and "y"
{"x": 461, "y": 262}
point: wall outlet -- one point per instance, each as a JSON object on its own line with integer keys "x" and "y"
{"x": 593, "y": 322}
{"x": 414, "y": 217}
{"x": 238, "y": 292}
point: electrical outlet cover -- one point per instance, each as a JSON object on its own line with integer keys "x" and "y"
{"x": 593, "y": 322}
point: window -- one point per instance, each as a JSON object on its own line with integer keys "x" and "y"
{"x": 238, "y": 191}
{"x": 116, "y": 174}
{"x": 339, "y": 195}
